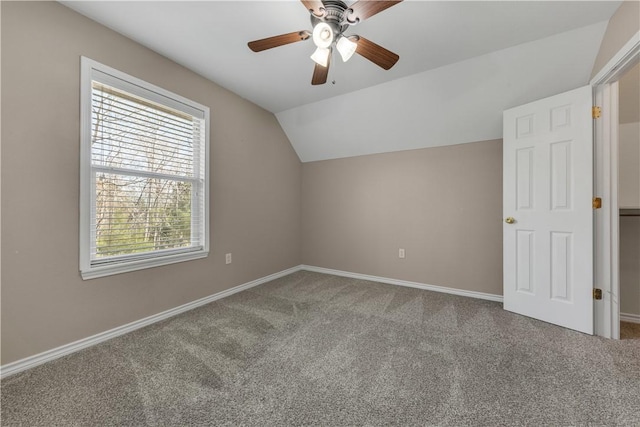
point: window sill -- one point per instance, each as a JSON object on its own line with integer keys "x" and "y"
{"x": 125, "y": 267}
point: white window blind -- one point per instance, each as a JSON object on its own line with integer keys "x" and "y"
{"x": 147, "y": 177}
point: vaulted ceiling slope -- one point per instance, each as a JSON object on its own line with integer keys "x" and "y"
{"x": 461, "y": 64}
{"x": 458, "y": 103}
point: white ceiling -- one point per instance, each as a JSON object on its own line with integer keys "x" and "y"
{"x": 454, "y": 56}
{"x": 458, "y": 103}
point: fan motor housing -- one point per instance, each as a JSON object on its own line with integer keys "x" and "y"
{"x": 334, "y": 15}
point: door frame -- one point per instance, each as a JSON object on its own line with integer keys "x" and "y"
{"x": 606, "y": 220}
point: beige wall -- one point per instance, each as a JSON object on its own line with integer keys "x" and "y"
{"x": 622, "y": 26}
{"x": 629, "y": 165}
{"x": 629, "y": 96}
{"x": 255, "y": 186}
{"x": 629, "y": 191}
{"x": 442, "y": 205}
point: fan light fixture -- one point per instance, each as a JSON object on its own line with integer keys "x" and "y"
{"x": 346, "y": 48}
{"x": 323, "y": 35}
{"x": 321, "y": 56}
{"x": 331, "y": 20}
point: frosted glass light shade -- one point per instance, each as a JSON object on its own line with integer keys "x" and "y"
{"x": 321, "y": 56}
{"x": 323, "y": 35}
{"x": 346, "y": 48}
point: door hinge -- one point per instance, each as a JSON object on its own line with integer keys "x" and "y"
{"x": 597, "y": 203}
{"x": 596, "y": 112}
{"x": 597, "y": 293}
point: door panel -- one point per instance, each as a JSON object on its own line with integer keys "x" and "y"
{"x": 548, "y": 249}
{"x": 561, "y": 175}
{"x": 524, "y": 178}
{"x": 524, "y": 261}
{"x": 561, "y": 256}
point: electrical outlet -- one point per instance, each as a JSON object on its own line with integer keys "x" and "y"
{"x": 401, "y": 253}
{"x": 227, "y": 259}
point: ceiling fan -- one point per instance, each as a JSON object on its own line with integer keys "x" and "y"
{"x": 330, "y": 19}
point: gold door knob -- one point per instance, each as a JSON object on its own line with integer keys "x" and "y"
{"x": 509, "y": 220}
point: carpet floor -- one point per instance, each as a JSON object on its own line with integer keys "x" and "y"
{"x": 317, "y": 349}
{"x": 629, "y": 331}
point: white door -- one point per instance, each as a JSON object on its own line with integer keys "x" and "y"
{"x": 547, "y": 206}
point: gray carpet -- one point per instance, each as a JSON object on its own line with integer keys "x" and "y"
{"x": 324, "y": 350}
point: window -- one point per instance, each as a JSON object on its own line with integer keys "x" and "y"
{"x": 144, "y": 174}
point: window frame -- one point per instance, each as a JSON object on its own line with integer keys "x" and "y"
{"x": 92, "y": 70}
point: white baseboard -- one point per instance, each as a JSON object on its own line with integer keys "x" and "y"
{"x": 49, "y": 355}
{"x": 443, "y": 289}
{"x": 631, "y": 318}
{"x": 39, "y": 359}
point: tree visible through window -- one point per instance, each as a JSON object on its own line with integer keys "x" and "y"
{"x": 147, "y": 174}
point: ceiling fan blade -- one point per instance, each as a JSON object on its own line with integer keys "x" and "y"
{"x": 320, "y": 73}
{"x": 275, "y": 41}
{"x": 314, "y": 6}
{"x": 375, "y": 53}
{"x": 363, "y": 9}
